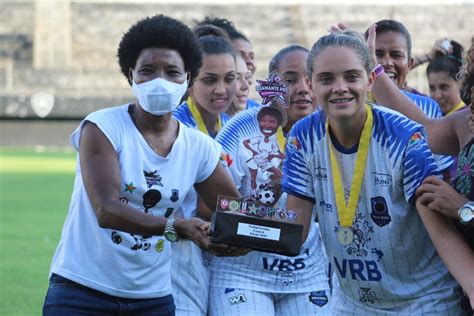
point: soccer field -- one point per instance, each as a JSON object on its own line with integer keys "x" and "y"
{"x": 35, "y": 188}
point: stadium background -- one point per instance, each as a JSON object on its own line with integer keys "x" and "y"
{"x": 61, "y": 53}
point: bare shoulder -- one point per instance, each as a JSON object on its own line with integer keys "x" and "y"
{"x": 447, "y": 135}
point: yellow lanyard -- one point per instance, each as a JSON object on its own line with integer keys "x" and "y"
{"x": 198, "y": 118}
{"x": 457, "y": 107}
{"x": 346, "y": 212}
{"x": 281, "y": 139}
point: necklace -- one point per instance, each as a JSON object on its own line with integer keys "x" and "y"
{"x": 199, "y": 120}
{"x": 134, "y": 120}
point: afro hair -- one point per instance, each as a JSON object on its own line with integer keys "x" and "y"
{"x": 159, "y": 31}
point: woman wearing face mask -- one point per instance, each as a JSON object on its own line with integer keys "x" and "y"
{"x": 133, "y": 172}
{"x": 212, "y": 92}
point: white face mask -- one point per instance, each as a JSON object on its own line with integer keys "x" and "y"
{"x": 159, "y": 96}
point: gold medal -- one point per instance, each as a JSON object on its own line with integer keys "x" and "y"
{"x": 345, "y": 235}
{"x": 346, "y": 210}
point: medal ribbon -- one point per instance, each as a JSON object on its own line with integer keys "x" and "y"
{"x": 457, "y": 107}
{"x": 346, "y": 212}
{"x": 281, "y": 139}
{"x": 198, "y": 118}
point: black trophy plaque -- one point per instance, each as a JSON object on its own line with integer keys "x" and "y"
{"x": 245, "y": 223}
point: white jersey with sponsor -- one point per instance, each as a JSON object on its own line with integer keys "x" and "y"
{"x": 390, "y": 265}
{"x": 259, "y": 271}
{"x": 116, "y": 262}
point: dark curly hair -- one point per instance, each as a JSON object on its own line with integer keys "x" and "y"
{"x": 161, "y": 32}
{"x": 466, "y": 75}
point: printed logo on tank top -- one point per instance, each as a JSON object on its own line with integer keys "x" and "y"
{"x": 319, "y": 298}
{"x": 152, "y": 178}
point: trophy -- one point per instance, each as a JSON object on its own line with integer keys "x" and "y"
{"x": 246, "y": 222}
{"x": 258, "y": 221}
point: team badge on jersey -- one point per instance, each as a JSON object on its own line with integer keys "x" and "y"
{"x": 225, "y": 160}
{"x": 415, "y": 140}
{"x": 379, "y": 213}
{"x": 293, "y": 144}
{"x": 318, "y": 298}
{"x": 152, "y": 178}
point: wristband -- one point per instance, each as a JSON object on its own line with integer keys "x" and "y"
{"x": 378, "y": 70}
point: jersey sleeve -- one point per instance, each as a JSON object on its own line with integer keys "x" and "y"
{"x": 418, "y": 163}
{"x": 297, "y": 176}
{"x": 183, "y": 114}
{"x": 432, "y": 110}
{"x": 230, "y": 137}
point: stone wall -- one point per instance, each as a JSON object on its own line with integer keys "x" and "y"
{"x": 96, "y": 28}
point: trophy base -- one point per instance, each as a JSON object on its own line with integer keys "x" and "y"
{"x": 257, "y": 233}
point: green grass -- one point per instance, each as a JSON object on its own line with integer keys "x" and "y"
{"x": 35, "y": 188}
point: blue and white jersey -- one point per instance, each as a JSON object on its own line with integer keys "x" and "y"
{"x": 183, "y": 114}
{"x": 259, "y": 271}
{"x": 390, "y": 266}
{"x": 432, "y": 110}
{"x": 252, "y": 104}
{"x": 429, "y": 106}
